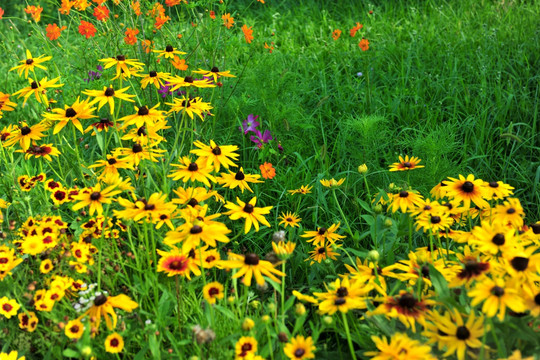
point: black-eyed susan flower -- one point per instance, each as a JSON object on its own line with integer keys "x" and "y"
{"x": 169, "y": 52}
{"x": 251, "y": 266}
{"x": 191, "y": 196}
{"x": 400, "y": 346}
{"x": 44, "y": 151}
{"x": 332, "y": 183}
{"x": 107, "y": 95}
{"x": 80, "y": 110}
{"x": 283, "y": 249}
{"x": 176, "y": 82}
{"x": 467, "y": 190}
{"x": 323, "y": 252}
{"x": 30, "y": 64}
{"x": 39, "y": 89}
{"x": 143, "y": 116}
{"x": 213, "y": 291}
{"x": 472, "y": 266}
{"x": 74, "y": 329}
{"x": 289, "y": 219}
{"x": 343, "y": 295}
{"x": 191, "y": 233}
{"x": 300, "y": 348}
{"x": 28, "y": 321}
{"x": 123, "y": 66}
{"x": 111, "y": 165}
{"x": 8, "y": 307}
{"x": 25, "y": 135}
{"x": 522, "y": 264}
{"x": 434, "y": 222}
{"x": 368, "y": 272}
{"x": 492, "y": 238}
{"x": 174, "y": 263}
{"x": 114, "y": 343}
{"x": 193, "y": 171}
{"x": 304, "y": 189}
{"x": 496, "y": 190}
{"x": 509, "y": 213}
{"x": 407, "y": 163}
{"x": 214, "y": 73}
{"x": 319, "y": 237}
{"x": 216, "y": 155}
{"x": 405, "y": 201}
{"x": 460, "y": 335}
{"x": 94, "y": 197}
{"x": 191, "y": 106}
{"x": 248, "y": 211}
{"x": 531, "y": 299}
{"x": 406, "y": 307}
{"x": 497, "y": 295}
{"x": 104, "y": 305}
{"x": 148, "y": 133}
{"x": 245, "y": 347}
{"x": 13, "y": 355}
{"x": 138, "y": 152}
{"x": 5, "y": 105}
{"x": 154, "y": 77}
{"x": 238, "y": 179}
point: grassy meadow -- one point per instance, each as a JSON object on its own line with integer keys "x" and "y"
{"x": 269, "y": 180}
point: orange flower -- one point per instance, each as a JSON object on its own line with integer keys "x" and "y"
{"x": 270, "y": 48}
{"x": 336, "y": 34}
{"x": 147, "y": 45}
{"x": 160, "y": 21}
{"x": 355, "y": 29}
{"x": 267, "y": 170}
{"x": 136, "y": 6}
{"x": 248, "y": 33}
{"x": 99, "y": 2}
{"x": 228, "y": 21}
{"x": 178, "y": 63}
{"x": 261, "y": 1}
{"x": 364, "y": 44}
{"x": 2, "y": 13}
{"x": 131, "y": 36}
{"x": 34, "y": 11}
{"x": 101, "y": 13}
{"x": 66, "y": 7}
{"x": 87, "y": 29}
{"x": 53, "y": 31}
{"x": 212, "y": 15}
{"x": 171, "y": 3}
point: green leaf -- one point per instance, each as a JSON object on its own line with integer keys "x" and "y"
{"x": 439, "y": 282}
{"x": 71, "y": 353}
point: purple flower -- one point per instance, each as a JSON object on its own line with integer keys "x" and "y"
{"x": 164, "y": 91}
{"x": 99, "y": 67}
{"x": 250, "y": 124}
{"x": 261, "y": 139}
{"x": 92, "y": 75}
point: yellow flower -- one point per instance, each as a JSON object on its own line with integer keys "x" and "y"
{"x": 283, "y": 249}
{"x": 114, "y": 343}
{"x": 194, "y": 171}
{"x": 95, "y": 198}
{"x": 251, "y": 266}
{"x": 289, "y": 219}
{"x": 213, "y": 291}
{"x": 80, "y": 110}
{"x": 406, "y": 163}
{"x": 332, "y": 183}
{"x": 107, "y": 95}
{"x": 104, "y": 305}
{"x": 30, "y": 63}
{"x": 253, "y": 215}
{"x": 300, "y": 348}
{"x": 74, "y": 329}
{"x": 8, "y": 307}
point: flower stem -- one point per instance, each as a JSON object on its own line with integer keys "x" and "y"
{"x": 349, "y": 340}
{"x": 342, "y": 214}
{"x": 283, "y": 294}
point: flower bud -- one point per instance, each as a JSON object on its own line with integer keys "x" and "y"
{"x": 328, "y": 320}
{"x": 388, "y": 222}
{"x": 362, "y": 169}
{"x": 373, "y": 255}
{"x": 300, "y": 309}
{"x": 378, "y": 209}
{"x": 271, "y": 307}
{"x": 86, "y": 351}
{"x": 248, "y": 324}
{"x": 265, "y": 319}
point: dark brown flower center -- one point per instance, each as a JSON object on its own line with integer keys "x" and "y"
{"x": 213, "y": 291}
{"x": 407, "y": 164}
{"x": 25, "y": 130}
{"x": 435, "y": 219}
{"x": 149, "y": 207}
{"x": 246, "y": 347}
{"x": 141, "y": 131}
{"x": 137, "y": 148}
{"x": 74, "y": 329}
{"x": 177, "y": 265}
{"x": 403, "y": 194}
{"x": 188, "y": 79}
{"x": 498, "y": 239}
{"x": 29, "y": 61}
{"x": 321, "y": 250}
{"x": 322, "y": 231}
{"x": 169, "y": 48}
{"x": 114, "y": 342}
{"x": 427, "y": 208}
{"x": 193, "y": 167}
{"x": 95, "y": 196}
{"x": 70, "y": 112}
{"x": 407, "y": 301}
{"x": 239, "y": 176}
{"x": 34, "y": 85}
{"x": 153, "y": 73}
{"x": 340, "y": 301}
{"x": 100, "y": 300}
{"x": 251, "y": 259}
{"x": 494, "y": 184}
{"x": 299, "y": 353}
{"x": 193, "y": 202}
{"x": 111, "y": 161}
{"x": 121, "y": 58}
{"x": 216, "y": 151}
{"x": 143, "y": 110}
{"x": 109, "y": 92}
{"x": 468, "y": 187}
{"x": 497, "y": 291}
{"x": 196, "y": 229}
{"x": 537, "y": 299}
{"x": 520, "y": 263}
{"x": 463, "y": 333}
{"x": 7, "y": 307}
{"x": 510, "y": 211}
{"x": 535, "y": 228}
{"x": 248, "y": 208}
{"x": 342, "y": 292}
{"x": 215, "y": 69}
